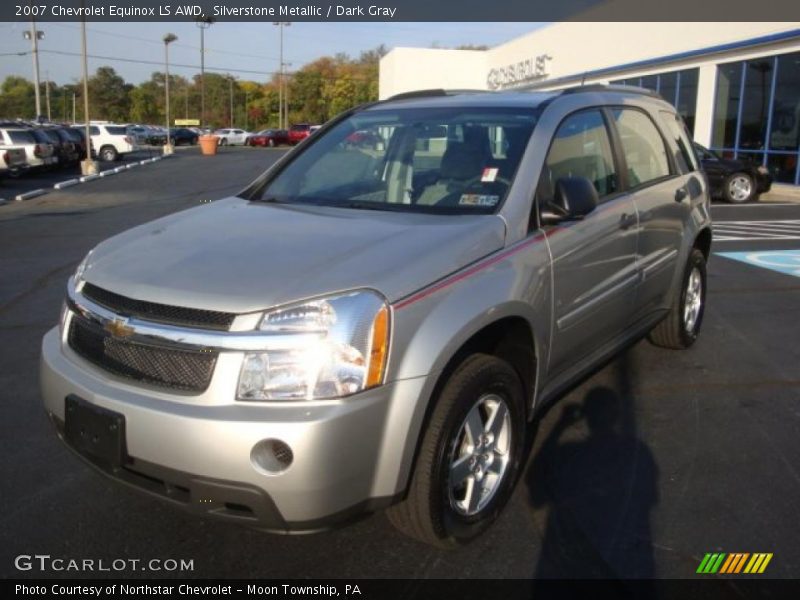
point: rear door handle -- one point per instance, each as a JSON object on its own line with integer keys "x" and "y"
{"x": 627, "y": 221}
{"x": 680, "y": 194}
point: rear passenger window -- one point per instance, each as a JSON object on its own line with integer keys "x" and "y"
{"x": 580, "y": 148}
{"x": 684, "y": 158}
{"x": 117, "y": 130}
{"x": 642, "y": 145}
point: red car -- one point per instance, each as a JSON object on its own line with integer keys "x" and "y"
{"x": 300, "y": 131}
{"x": 268, "y": 137}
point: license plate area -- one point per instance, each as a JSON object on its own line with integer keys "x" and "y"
{"x": 95, "y": 432}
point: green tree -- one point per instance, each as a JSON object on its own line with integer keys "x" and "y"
{"x": 17, "y": 98}
{"x": 109, "y": 96}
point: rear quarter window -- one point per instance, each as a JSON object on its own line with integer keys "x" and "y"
{"x": 685, "y": 158}
{"x": 116, "y": 130}
{"x": 21, "y": 137}
{"x": 646, "y": 156}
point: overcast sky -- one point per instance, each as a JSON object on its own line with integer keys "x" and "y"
{"x": 244, "y": 46}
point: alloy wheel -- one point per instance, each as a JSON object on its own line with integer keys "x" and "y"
{"x": 480, "y": 455}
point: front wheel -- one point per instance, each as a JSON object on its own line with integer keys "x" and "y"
{"x": 681, "y": 326}
{"x": 469, "y": 456}
{"x": 108, "y": 153}
{"x": 739, "y": 188}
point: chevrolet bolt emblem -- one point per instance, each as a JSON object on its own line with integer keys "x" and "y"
{"x": 119, "y": 328}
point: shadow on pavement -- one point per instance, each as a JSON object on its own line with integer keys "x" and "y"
{"x": 592, "y": 485}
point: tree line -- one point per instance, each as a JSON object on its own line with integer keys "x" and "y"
{"x": 315, "y": 93}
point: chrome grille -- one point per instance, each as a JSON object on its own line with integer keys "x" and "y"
{"x": 179, "y": 369}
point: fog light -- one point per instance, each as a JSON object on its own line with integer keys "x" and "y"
{"x": 272, "y": 456}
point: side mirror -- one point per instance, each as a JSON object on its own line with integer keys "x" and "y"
{"x": 574, "y": 198}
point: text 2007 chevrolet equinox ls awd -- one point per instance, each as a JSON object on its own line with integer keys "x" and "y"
{"x": 371, "y": 326}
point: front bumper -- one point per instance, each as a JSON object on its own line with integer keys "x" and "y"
{"x": 195, "y": 450}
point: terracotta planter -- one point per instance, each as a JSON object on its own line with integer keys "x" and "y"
{"x": 208, "y": 144}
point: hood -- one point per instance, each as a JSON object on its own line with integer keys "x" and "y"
{"x": 239, "y": 256}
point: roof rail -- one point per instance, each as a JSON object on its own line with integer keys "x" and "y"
{"x": 602, "y": 87}
{"x": 432, "y": 93}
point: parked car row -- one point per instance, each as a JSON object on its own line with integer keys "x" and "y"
{"x": 42, "y": 146}
{"x": 269, "y": 137}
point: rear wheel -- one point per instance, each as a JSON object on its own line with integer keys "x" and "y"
{"x": 469, "y": 456}
{"x": 739, "y": 188}
{"x": 681, "y": 327}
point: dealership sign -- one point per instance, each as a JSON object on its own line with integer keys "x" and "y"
{"x": 524, "y": 71}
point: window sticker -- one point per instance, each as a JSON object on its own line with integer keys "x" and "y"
{"x": 489, "y": 174}
{"x": 478, "y": 200}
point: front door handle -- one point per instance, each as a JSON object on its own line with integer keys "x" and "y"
{"x": 680, "y": 194}
{"x": 627, "y": 221}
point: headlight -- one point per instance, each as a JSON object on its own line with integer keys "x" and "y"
{"x": 82, "y": 267}
{"x": 349, "y": 356}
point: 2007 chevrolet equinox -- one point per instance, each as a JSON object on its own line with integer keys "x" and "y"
{"x": 373, "y": 322}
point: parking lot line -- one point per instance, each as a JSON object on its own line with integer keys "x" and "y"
{"x": 738, "y": 231}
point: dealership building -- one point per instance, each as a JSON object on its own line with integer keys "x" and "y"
{"x": 737, "y": 85}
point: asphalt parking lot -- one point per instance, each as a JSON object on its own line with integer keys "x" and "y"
{"x": 11, "y": 187}
{"x": 654, "y": 461}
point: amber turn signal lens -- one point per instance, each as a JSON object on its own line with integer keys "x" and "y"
{"x": 378, "y": 348}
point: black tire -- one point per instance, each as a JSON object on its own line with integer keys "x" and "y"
{"x": 108, "y": 153}
{"x": 674, "y": 332}
{"x": 734, "y": 188}
{"x": 427, "y": 512}
{"x": 223, "y": 142}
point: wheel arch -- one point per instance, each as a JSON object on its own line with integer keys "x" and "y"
{"x": 703, "y": 241}
{"x": 510, "y": 337}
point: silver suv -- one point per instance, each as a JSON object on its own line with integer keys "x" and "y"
{"x": 373, "y": 326}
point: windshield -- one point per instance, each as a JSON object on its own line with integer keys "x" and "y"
{"x": 442, "y": 160}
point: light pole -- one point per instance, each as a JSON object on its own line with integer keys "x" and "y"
{"x": 286, "y": 97}
{"x": 168, "y": 39}
{"x": 245, "y": 109}
{"x": 88, "y": 166}
{"x": 231, "y": 79}
{"x": 203, "y": 23}
{"x": 47, "y": 93}
{"x": 34, "y": 36}
{"x": 281, "y": 25}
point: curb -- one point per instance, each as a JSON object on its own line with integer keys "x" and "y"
{"x": 29, "y": 195}
{"x": 84, "y": 179}
{"x": 66, "y": 184}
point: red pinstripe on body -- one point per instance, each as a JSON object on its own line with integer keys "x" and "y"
{"x": 469, "y": 272}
